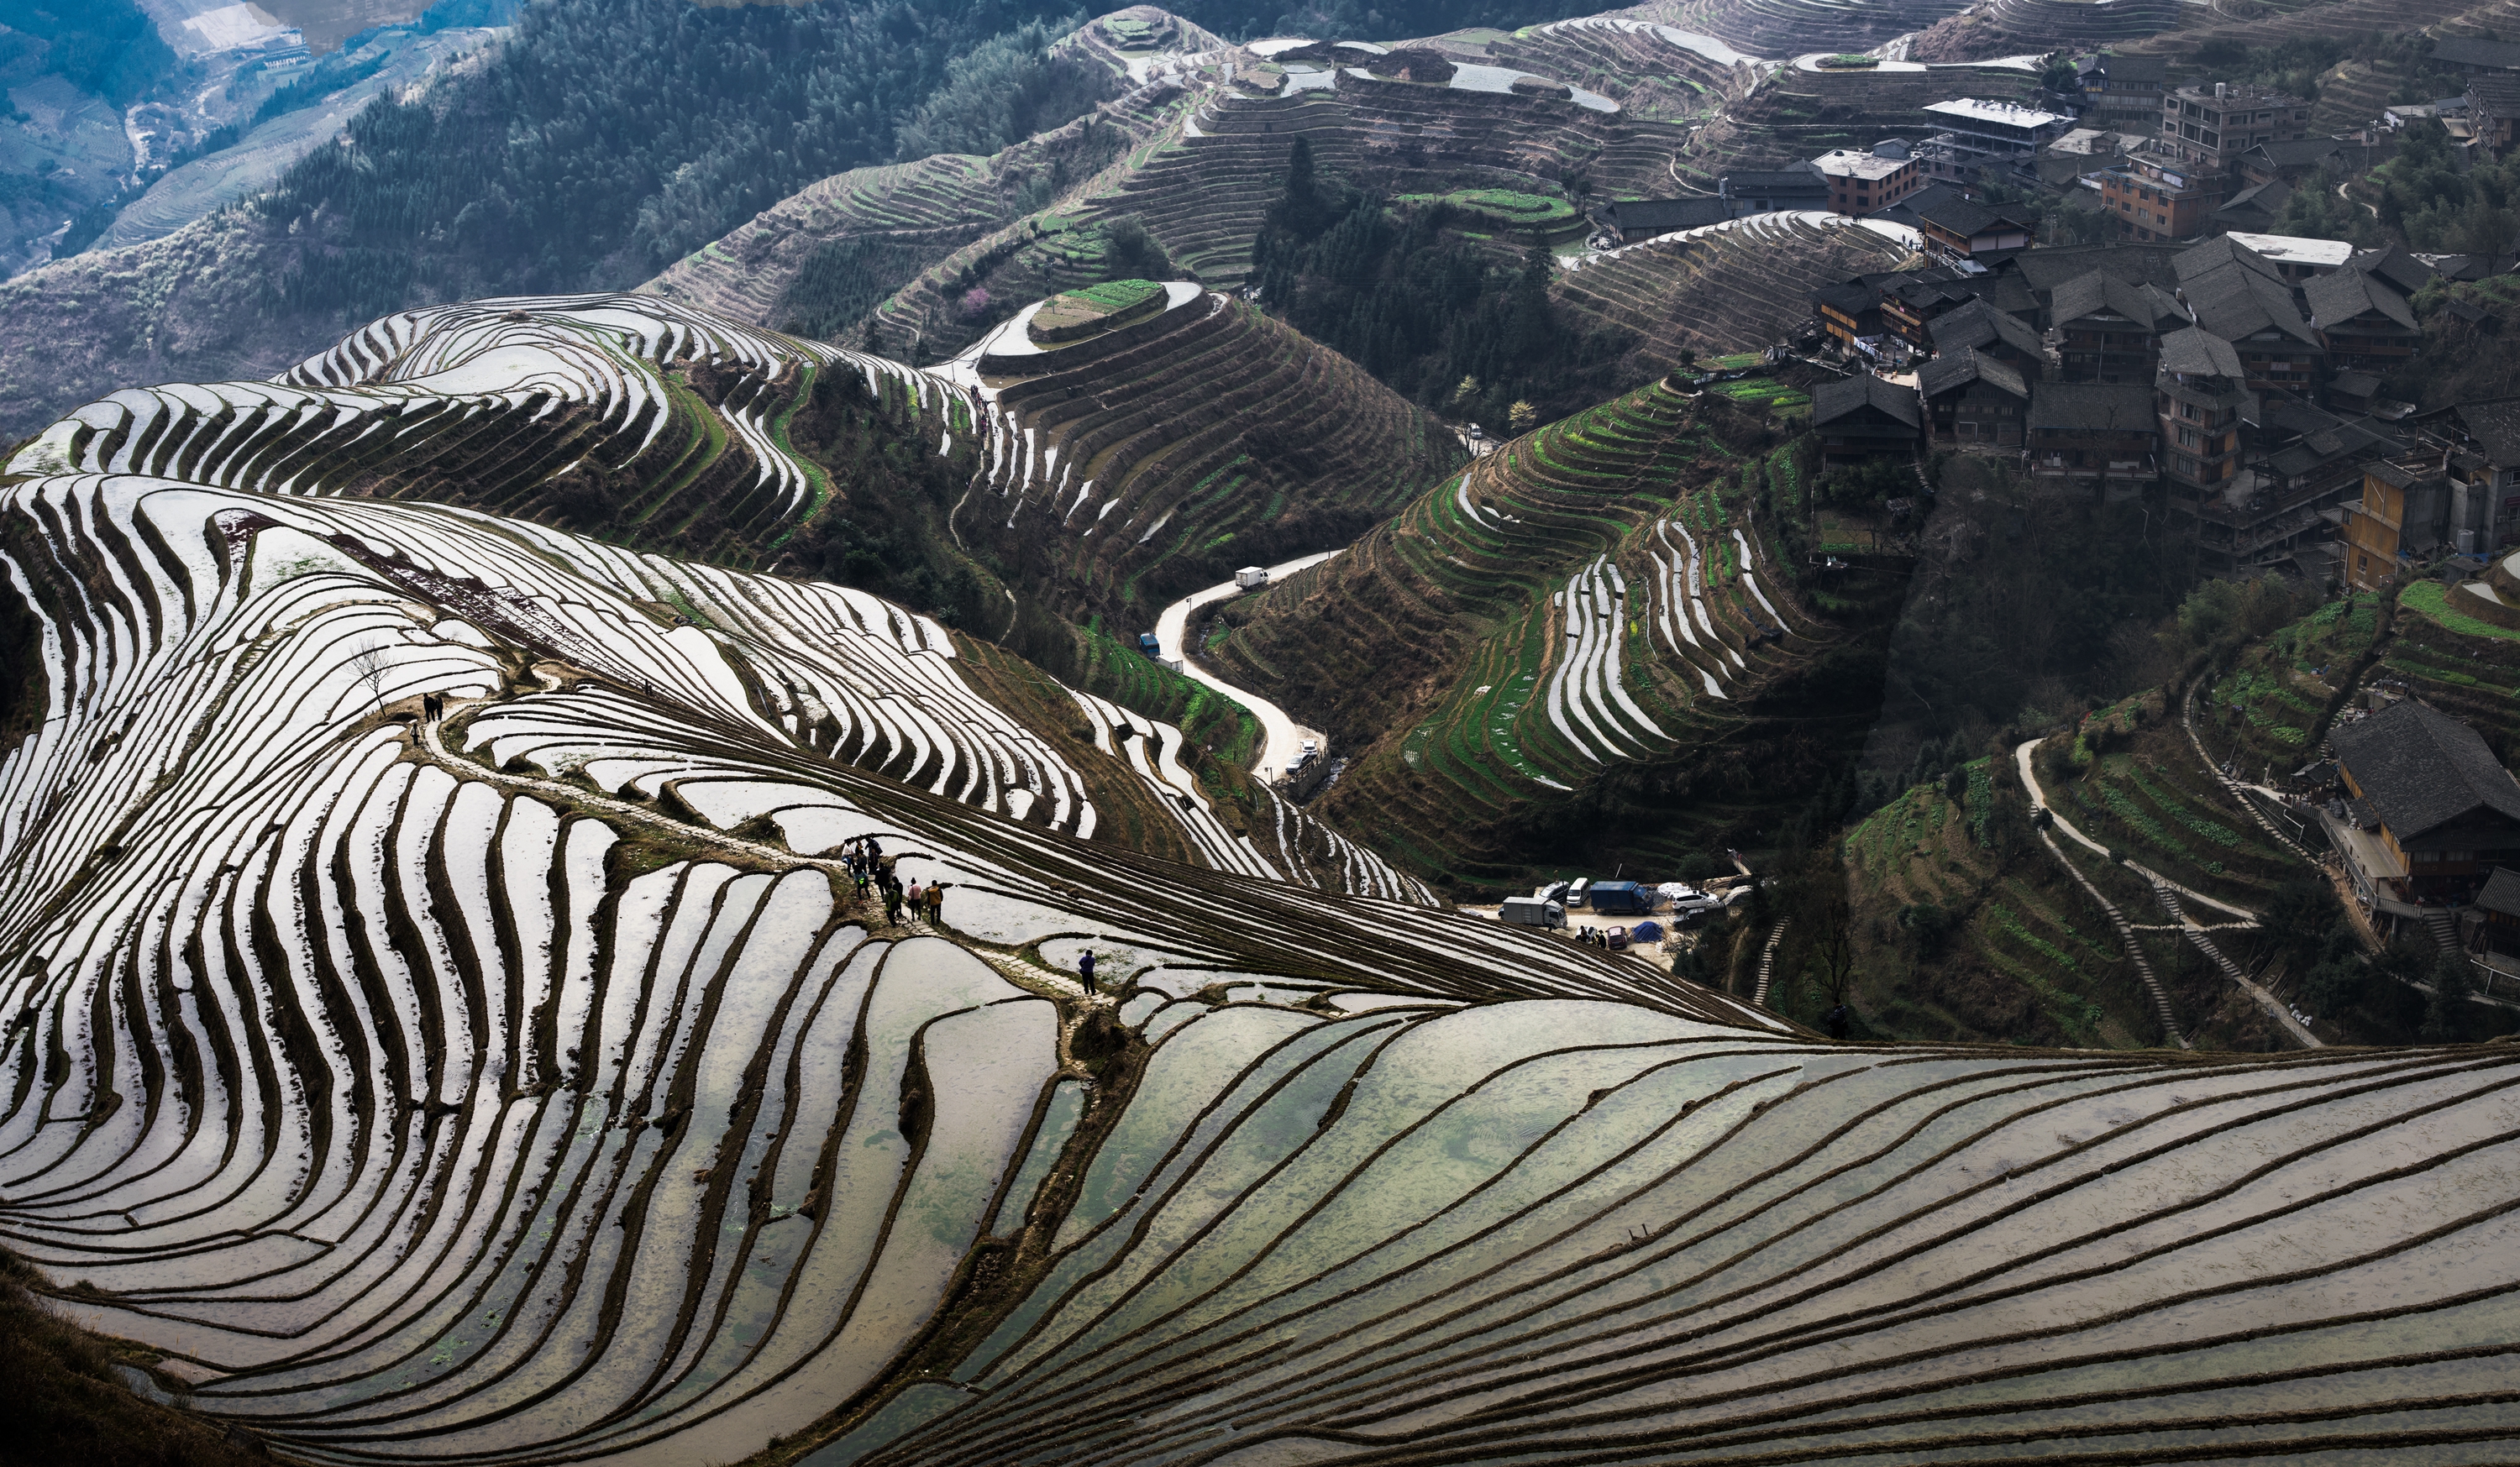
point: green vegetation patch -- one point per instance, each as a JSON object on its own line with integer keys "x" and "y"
{"x": 2432, "y": 598}
{"x": 1095, "y": 308}
{"x": 1508, "y": 204}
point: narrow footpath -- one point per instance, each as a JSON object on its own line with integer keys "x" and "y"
{"x": 2172, "y": 896}
{"x": 1281, "y": 737}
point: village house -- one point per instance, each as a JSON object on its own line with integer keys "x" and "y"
{"x": 2093, "y": 434}
{"x": 1861, "y": 183}
{"x": 1633, "y": 219}
{"x": 1849, "y": 312}
{"x": 1973, "y": 400}
{"x": 2122, "y": 93}
{"x": 2401, "y": 515}
{"x": 1862, "y": 418}
{"x": 1957, "y": 228}
{"x": 2111, "y": 329}
{"x": 1913, "y": 301}
{"x": 1980, "y": 327}
{"x": 2362, "y": 321}
{"x": 2427, "y": 811}
{"x": 2198, "y": 395}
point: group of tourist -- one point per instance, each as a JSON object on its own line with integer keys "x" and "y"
{"x": 875, "y": 876}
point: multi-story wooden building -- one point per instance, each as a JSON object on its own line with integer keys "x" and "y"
{"x": 1981, "y": 327}
{"x": 2110, "y": 330}
{"x": 1863, "y": 418}
{"x": 2429, "y": 811}
{"x": 2093, "y": 434}
{"x": 2198, "y": 395}
{"x": 2123, "y": 93}
{"x": 2401, "y": 514}
{"x": 2362, "y": 321}
{"x": 1973, "y": 400}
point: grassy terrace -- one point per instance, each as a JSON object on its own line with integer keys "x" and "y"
{"x": 1439, "y": 647}
{"x": 2263, "y": 711}
{"x": 1957, "y": 941}
{"x": 2466, "y": 668}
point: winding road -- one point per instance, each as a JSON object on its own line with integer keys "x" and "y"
{"x": 1281, "y": 737}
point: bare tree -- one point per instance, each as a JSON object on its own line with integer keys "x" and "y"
{"x": 370, "y": 665}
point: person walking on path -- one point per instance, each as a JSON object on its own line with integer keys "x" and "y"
{"x": 891, "y": 904}
{"x": 1085, "y": 970}
{"x": 935, "y": 903}
{"x": 1838, "y": 1021}
{"x": 915, "y": 898}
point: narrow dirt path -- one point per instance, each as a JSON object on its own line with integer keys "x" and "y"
{"x": 2172, "y": 896}
{"x": 2125, "y": 937}
{"x": 2038, "y": 801}
{"x": 2231, "y": 786}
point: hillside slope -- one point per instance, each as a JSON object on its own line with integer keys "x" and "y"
{"x": 665, "y": 429}
{"x": 516, "y": 1080}
{"x": 1157, "y": 458}
{"x": 1583, "y": 650}
{"x": 545, "y": 163}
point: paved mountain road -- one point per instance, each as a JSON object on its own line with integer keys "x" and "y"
{"x": 1281, "y": 736}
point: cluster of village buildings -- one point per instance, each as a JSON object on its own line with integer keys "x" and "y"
{"x": 2193, "y": 349}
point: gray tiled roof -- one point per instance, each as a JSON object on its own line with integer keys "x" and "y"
{"x": 2047, "y": 269}
{"x": 1664, "y": 215}
{"x": 2421, "y": 769}
{"x": 2234, "y": 301}
{"x": 2501, "y": 891}
{"x": 2347, "y": 294}
{"x": 1946, "y": 373}
{"x": 2198, "y": 260}
{"x": 2496, "y": 427}
{"x": 1834, "y": 400}
{"x": 2476, "y": 50}
{"x": 1978, "y": 325}
{"x": 2198, "y": 352}
{"x": 2099, "y": 294}
{"x": 2395, "y": 267}
{"x": 2097, "y": 407}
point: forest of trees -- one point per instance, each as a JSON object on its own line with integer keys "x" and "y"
{"x": 611, "y": 137}
{"x": 1457, "y": 323}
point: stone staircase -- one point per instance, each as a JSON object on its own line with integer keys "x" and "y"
{"x": 1768, "y": 960}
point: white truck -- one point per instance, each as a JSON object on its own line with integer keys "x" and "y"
{"x": 1531, "y": 911}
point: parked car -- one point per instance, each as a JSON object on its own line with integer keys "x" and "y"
{"x": 1615, "y": 939}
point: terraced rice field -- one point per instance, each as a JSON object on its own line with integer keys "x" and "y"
{"x": 2024, "y": 953}
{"x": 439, "y": 1028}
{"x": 1711, "y": 291}
{"x": 503, "y": 405}
{"x": 2467, "y": 668}
{"x": 567, "y": 959}
{"x": 2262, "y": 712}
{"x": 1157, "y": 458}
{"x": 1792, "y": 27}
{"x": 1209, "y": 162}
{"x": 506, "y": 405}
{"x": 1589, "y": 598}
